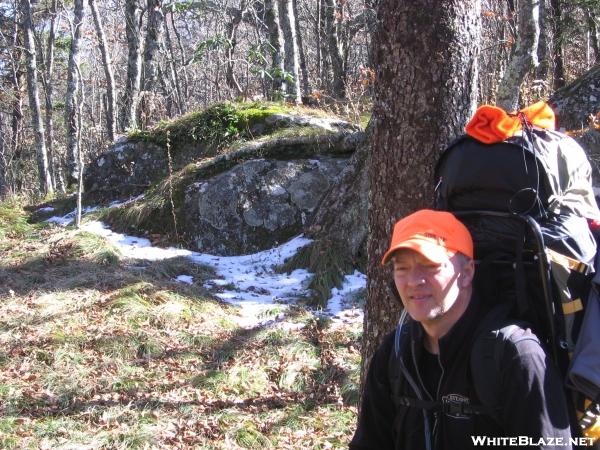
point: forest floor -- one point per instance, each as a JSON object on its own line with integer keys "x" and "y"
{"x": 99, "y": 349}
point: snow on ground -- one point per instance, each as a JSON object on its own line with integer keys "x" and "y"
{"x": 248, "y": 281}
{"x": 69, "y": 218}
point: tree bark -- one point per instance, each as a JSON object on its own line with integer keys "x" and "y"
{"x": 34, "y": 100}
{"x": 72, "y": 92}
{"x": 341, "y": 219}
{"x": 48, "y": 90}
{"x": 559, "y": 79}
{"x": 577, "y": 103}
{"x": 332, "y": 27}
{"x": 593, "y": 30}
{"x": 111, "y": 128}
{"x": 134, "y": 64}
{"x": 4, "y": 188}
{"x": 305, "y": 80}
{"x": 524, "y": 57}
{"x": 292, "y": 53}
{"x": 232, "y": 26}
{"x": 544, "y": 45}
{"x": 154, "y": 37}
{"x": 426, "y": 60}
{"x": 18, "y": 81}
{"x": 277, "y": 44}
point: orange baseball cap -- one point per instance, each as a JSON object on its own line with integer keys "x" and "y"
{"x": 434, "y": 234}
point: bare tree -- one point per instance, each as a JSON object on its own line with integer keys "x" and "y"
{"x": 335, "y": 47}
{"x": 153, "y": 44}
{"x": 45, "y": 180}
{"x": 108, "y": 73}
{"x": 48, "y": 82}
{"x": 292, "y": 52}
{"x": 426, "y": 60}
{"x": 305, "y": 79}
{"x": 232, "y": 26}
{"x": 593, "y": 33}
{"x": 133, "y": 19}
{"x": 72, "y": 93}
{"x": 559, "y": 77}
{"x": 277, "y": 46}
{"x": 524, "y": 57}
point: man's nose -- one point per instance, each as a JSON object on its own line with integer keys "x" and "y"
{"x": 416, "y": 277}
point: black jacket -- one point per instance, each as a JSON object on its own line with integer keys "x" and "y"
{"x": 531, "y": 401}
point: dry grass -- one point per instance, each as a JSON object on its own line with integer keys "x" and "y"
{"x": 101, "y": 352}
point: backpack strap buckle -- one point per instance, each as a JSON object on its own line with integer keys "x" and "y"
{"x": 452, "y": 406}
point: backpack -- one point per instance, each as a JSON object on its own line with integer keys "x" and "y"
{"x": 527, "y": 199}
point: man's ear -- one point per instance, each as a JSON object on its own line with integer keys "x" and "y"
{"x": 467, "y": 273}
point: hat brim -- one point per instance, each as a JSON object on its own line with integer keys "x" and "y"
{"x": 433, "y": 252}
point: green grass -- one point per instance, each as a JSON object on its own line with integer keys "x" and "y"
{"x": 116, "y": 355}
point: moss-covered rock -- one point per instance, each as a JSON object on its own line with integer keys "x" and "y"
{"x": 141, "y": 159}
{"x": 235, "y": 191}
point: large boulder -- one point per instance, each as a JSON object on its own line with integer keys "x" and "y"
{"x": 135, "y": 163}
{"x": 126, "y": 169}
{"x": 258, "y": 204}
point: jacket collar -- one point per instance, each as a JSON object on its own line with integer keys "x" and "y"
{"x": 459, "y": 337}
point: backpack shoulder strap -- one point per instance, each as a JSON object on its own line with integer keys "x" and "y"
{"x": 487, "y": 354}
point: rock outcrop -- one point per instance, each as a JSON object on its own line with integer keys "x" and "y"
{"x": 252, "y": 194}
{"x": 256, "y": 205}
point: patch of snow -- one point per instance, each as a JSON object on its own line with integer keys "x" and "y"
{"x": 101, "y": 162}
{"x": 339, "y": 305}
{"x": 187, "y": 279}
{"x": 46, "y": 209}
{"x": 70, "y": 217}
{"x": 118, "y": 203}
{"x": 133, "y": 247}
{"x": 249, "y": 282}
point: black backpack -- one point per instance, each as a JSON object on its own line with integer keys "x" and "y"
{"x": 526, "y": 202}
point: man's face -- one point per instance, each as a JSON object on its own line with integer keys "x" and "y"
{"x": 429, "y": 290}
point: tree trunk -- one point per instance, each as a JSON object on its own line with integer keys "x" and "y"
{"x": 318, "y": 49}
{"x": 232, "y": 27}
{"x": 524, "y": 58}
{"x": 34, "y": 100}
{"x": 4, "y": 188}
{"x": 341, "y": 219}
{"x": 133, "y": 19}
{"x": 277, "y": 44}
{"x": 108, "y": 73}
{"x": 72, "y": 92}
{"x": 426, "y": 60}
{"x": 18, "y": 81}
{"x": 305, "y": 82}
{"x": 292, "y": 54}
{"x": 544, "y": 46}
{"x": 559, "y": 79}
{"x": 332, "y": 27}
{"x": 593, "y": 30}
{"x": 173, "y": 71}
{"x": 154, "y": 36}
{"x": 577, "y": 103}
{"x": 48, "y": 90}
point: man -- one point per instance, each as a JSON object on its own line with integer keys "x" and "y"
{"x": 420, "y": 392}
